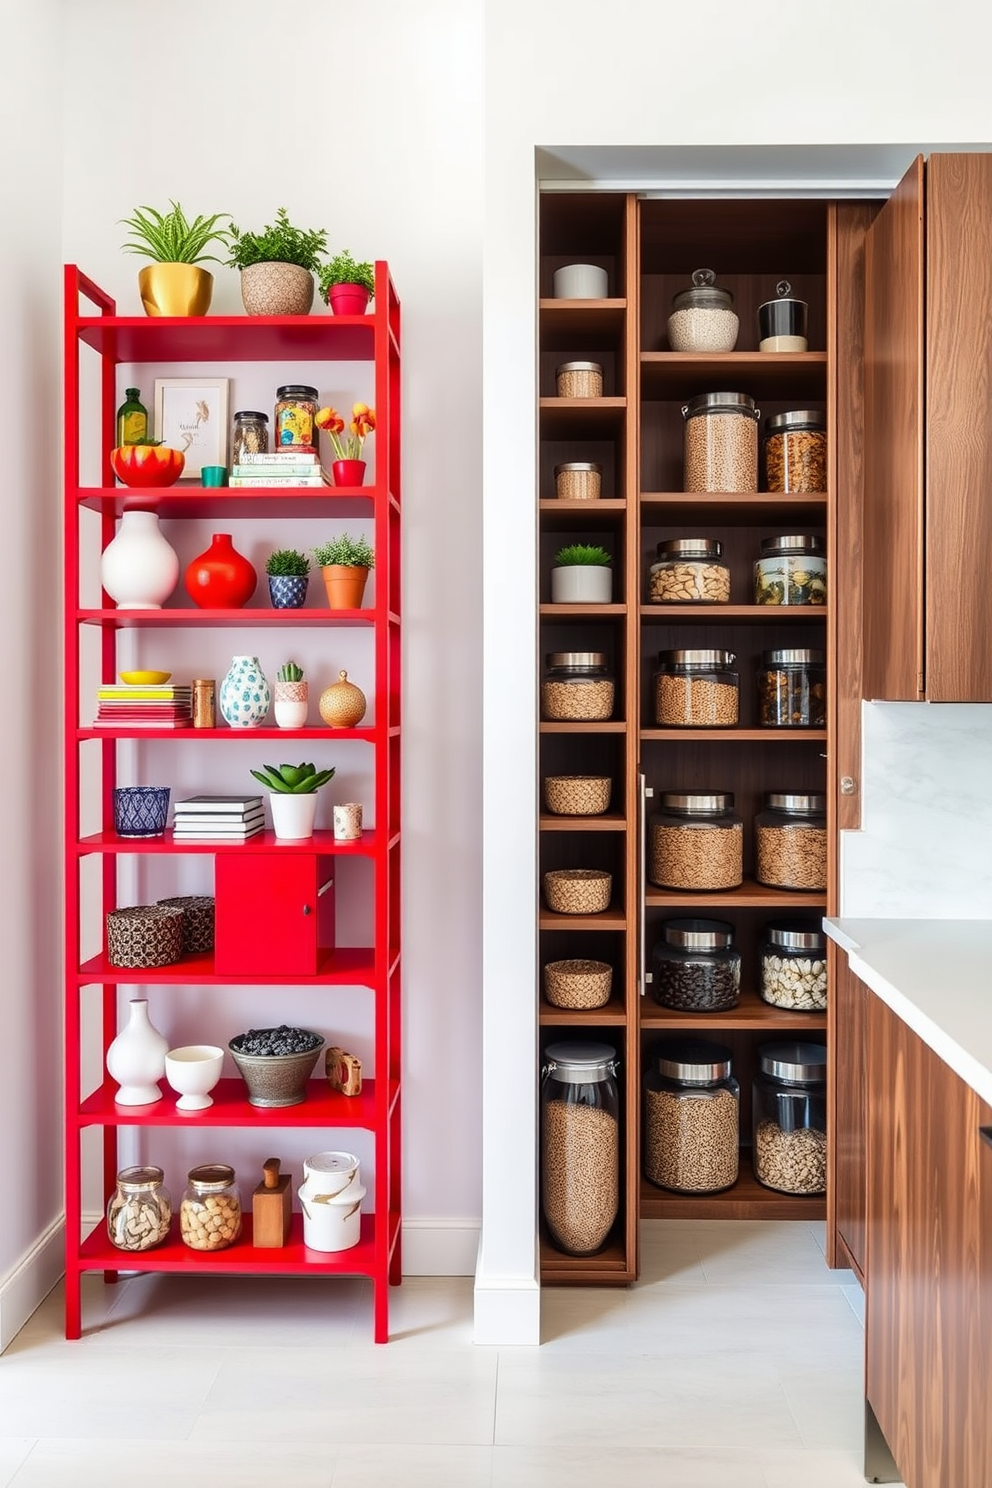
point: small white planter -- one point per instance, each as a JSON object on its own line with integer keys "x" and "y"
{"x": 582, "y": 583}
{"x": 293, "y": 816}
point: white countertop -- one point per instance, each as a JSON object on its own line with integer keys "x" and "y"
{"x": 936, "y": 975}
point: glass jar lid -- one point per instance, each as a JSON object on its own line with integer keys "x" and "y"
{"x": 578, "y": 367}
{"x": 783, "y": 291}
{"x": 703, "y": 295}
{"x": 798, "y": 1063}
{"x": 698, "y": 935}
{"x": 720, "y": 403}
{"x": 140, "y": 1180}
{"x": 579, "y": 465}
{"x": 794, "y": 656}
{"x": 694, "y": 1061}
{"x": 791, "y": 543}
{"x": 252, "y": 413}
{"x": 211, "y": 1176}
{"x": 701, "y": 801}
{"x": 580, "y": 1063}
{"x": 801, "y": 935}
{"x": 686, "y": 547}
{"x": 297, "y": 390}
{"x": 799, "y": 418}
{"x": 799, "y": 803}
{"x": 576, "y": 658}
{"x": 697, "y": 658}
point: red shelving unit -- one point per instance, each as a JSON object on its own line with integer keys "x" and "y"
{"x": 92, "y": 325}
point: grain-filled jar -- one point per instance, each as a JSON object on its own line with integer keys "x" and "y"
{"x": 695, "y": 966}
{"x": 210, "y": 1213}
{"x": 577, "y": 687}
{"x": 696, "y": 689}
{"x": 721, "y": 442}
{"x": 792, "y": 570}
{"x": 782, "y": 322}
{"x": 580, "y": 1145}
{"x": 579, "y": 480}
{"x": 703, "y": 317}
{"x": 140, "y": 1209}
{"x": 796, "y": 450}
{"x": 689, "y": 570}
{"x": 789, "y": 1113}
{"x": 793, "y": 966}
{"x": 792, "y": 688}
{"x": 692, "y": 1118}
{"x": 579, "y": 380}
{"x": 296, "y": 409}
{"x": 696, "y": 841}
{"x": 250, "y": 435}
{"x": 791, "y": 840}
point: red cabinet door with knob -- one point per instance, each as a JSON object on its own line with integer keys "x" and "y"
{"x": 272, "y": 919}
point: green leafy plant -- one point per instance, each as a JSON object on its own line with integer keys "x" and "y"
{"x": 342, "y": 269}
{"x": 292, "y": 780}
{"x": 170, "y": 237}
{"x": 287, "y": 562}
{"x": 582, "y": 554}
{"x": 278, "y": 242}
{"x": 290, "y": 672}
{"x": 350, "y": 552}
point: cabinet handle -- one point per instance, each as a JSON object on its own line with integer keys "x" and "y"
{"x": 985, "y": 1132}
{"x": 644, "y": 976}
{"x": 306, "y": 909}
{"x": 324, "y": 888}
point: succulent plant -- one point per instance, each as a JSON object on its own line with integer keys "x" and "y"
{"x": 292, "y": 780}
{"x": 287, "y": 563}
{"x": 290, "y": 672}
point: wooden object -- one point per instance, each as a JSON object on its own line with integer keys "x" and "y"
{"x": 344, "y": 1071}
{"x": 848, "y": 1105}
{"x": 272, "y": 1207}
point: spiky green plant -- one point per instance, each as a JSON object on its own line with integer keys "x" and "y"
{"x": 287, "y": 563}
{"x": 582, "y": 554}
{"x": 170, "y": 237}
{"x": 350, "y": 552}
{"x": 292, "y": 780}
{"x": 342, "y": 269}
{"x": 290, "y": 672}
{"x": 278, "y": 242}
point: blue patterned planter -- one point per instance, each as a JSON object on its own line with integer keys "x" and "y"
{"x": 244, "y": 693}
{"x": 288, "y": 591}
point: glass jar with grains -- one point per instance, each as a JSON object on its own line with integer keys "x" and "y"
{"x": 721, "y": 442}
{"x": 250, "y": 435}
{"x": 296, "y": 409}
{"x": 577, "y": 687}
{"x": 792, "y": 570}
{"x": 696, "y": 841}
{"x": 791, "y": 840}
{"x": 140, "y": 1209}
{"x": 689, "y": 570}
{"x": 703, "y": 317}
{"x": 796, "y": 450}
{"x": 789, "y": 1113}
{"x": 696, "y": 689}
{"x": 695, "y": 966}
{"x": 580, "y": 1145}
{"x": 691, "y": 1118}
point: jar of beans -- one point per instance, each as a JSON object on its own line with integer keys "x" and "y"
{"x": 796, "y": 450}
{"x": 792, "y": 688}
{"x": 792, "y": 570}
{"x": 577, "y": 687}
{"x": 696, "y": 841}
{"x": 791, "y": 840}
{"x": 695, "y": 966}
{"x": 250, "y": 435}
{"x": 721, "y": 442}
{"x": 579, "y": 380}
{"x": 696, "y": 689}
{"x": 793, "y": 972}
{"x": 210, "y": 1213}
{"x": 789, "y": 1111}
{"x": 140, "y": 1209}
{"x": 580, "y": 1145}
{"x": 689, "y": 570}
{"x": 703, "y": 317}
{"x": 691, "y": 1118}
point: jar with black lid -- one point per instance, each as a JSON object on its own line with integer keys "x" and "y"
{"x": 250, "y": 435}
{"x": 695, "y": 966}
{"x": 695, "y": 841}
{"x": 793, "y": 966}
{"x": 721, "y": 442}
{"x": 696, "y": 689}
{"x": 691, "y": 1118}
{"x": 703, "y": 317}
{"x": 296, "y": 409}
{"x": 577, "y": 687}
{"x": 580, "y": 1144}
{"x": 792, "y": 688}
{"x": 782, "y": 322}
{"x": 789, "y": 1114}
{"x": 689, "y": 570}
{"x": 796, "y": 450}
{"x": 792, "y": 570}
{"x": 791, "y": 840}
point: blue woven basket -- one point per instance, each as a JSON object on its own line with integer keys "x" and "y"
{"x": 141, "y": 810}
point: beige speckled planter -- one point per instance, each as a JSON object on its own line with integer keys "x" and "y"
{"x": 277, "y": 289}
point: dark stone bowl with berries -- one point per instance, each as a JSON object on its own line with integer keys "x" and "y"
{"x": 276, "y": 1063}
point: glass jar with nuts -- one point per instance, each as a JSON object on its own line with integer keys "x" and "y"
{"x": 792, "y": 688}
{"x": 793, "y": 971}
{"x": 210, "y": 1213}
{"x": 689, "y": 570}
{"x": 789, "y": 1112}
{"x": 140, "y": 1209}
{"x": 696, "y": 689}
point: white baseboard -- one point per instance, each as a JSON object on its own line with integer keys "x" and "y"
{"x": 507, "y": 1308}
{"x": 440, "y": 1247}
{"x": 25, "y": 1287}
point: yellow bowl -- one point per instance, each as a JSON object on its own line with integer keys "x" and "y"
{"x": 144, "y": 679}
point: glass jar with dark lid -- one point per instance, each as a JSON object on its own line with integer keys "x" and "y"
{"x": 703, "y": 317}
{"x": 296, "y": 409}
{"x": 791, "y": 840}
{"x": 782, "y": 322}
{"x": 695, "y": 841}
{"x": 250, "y": 435}
{"x": 577, "y": 686}
{"x": 695, "y": 966}
{"x": 792, "y": 570}
{"x": 792, "y": 688}
{"x": 793, "y": 966}
{"x": 580, "y": 1144}
{"x": 691, "y": 1117}
{"x": 721, "y": 442}
{"x": 796, "y": 450}
{"x": 696, "y": 689}
{"x": 789, "y": 1113}
{"x": 689, "y": 570}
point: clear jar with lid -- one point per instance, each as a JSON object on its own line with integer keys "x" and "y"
{"x": 296, "y": 409}
{"x": 793, "y": 966}
{"x": 210, "y": 1213}
{"x": 696, "y": 689}
{"x": 689, "y": 570}
{"x": 250, "y": 435}
{"x": 577, "y": 687}
{"x": 580, "y": 1145}
{"x": 695, "y": 966}
{"x": 791, "y": 840}
{"x": 579, "y": 480}
{"x": 792, "y": 570}
{"x": 792, "y": 688}
{"x": 692, "y": 1118}
{"x": 139, "y": 1210}
{"x": 721, "y": 442}
{"x": 796, "y": 450}
{"x": 789, "y": 1113}
{"x": 696, "y": 841}
{"x": 703, "y": 317}
{"x": 782, "y": 322}
{"x": 579, "y": 380}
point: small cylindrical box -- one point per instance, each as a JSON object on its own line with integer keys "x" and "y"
{"x": 579, "y": 380}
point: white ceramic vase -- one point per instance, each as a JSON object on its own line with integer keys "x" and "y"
{"x": 582, "y": 583}
{"x": 293, "y": 816}
{"x": 331, "y": 1197}
{"x": 139, "y": 568}
{"x": 245, "y": 695}
{"x": 136, "y": 1058}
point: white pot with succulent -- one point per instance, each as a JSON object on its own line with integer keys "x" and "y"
{"x": 293, "y": 798}
{"x": 582, "y": 575}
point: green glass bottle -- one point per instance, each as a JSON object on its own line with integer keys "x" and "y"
{"x": 132, "y": 419}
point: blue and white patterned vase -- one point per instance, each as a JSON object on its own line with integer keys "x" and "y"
{"x": 244, "y": 693}
{"x": 288, "y": 591}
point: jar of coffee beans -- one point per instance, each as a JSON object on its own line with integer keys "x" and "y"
{"x": 791, "y": 840}
{"x": 695, "y": 966}
{"x": 689, "y": 570}
{"x": 792, "y": 570}
{"x": 792, "y": 688}
{"x": 793, "y": 970}
{"x": 210, "y": 1213}
{"x": 691, "y": 1118}
{"x": 721, "y": 442}
{"x": 696, "y": 689}
{"x": 580, "y": 1145}
{"x": 577, "y": 687}
{"x": 140, "y": 1209}
{"x": 789, "y": 1113}
{"x": 796, "y": 451}
{"x": 696, "y": 841}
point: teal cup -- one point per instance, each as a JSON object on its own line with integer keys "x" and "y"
{"x": 213, "y": 475}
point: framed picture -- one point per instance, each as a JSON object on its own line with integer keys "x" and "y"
{"x": 191, "y": 415}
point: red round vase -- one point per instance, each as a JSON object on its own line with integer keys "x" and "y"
{"x": 221, "y": 578}
{"x": 348, "y": 299}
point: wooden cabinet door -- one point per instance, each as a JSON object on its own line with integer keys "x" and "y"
{"x": 848, "y": 1043}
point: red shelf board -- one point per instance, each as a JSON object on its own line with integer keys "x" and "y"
{"x": 197, "y": 501}
{"x": 350, "y": 966}
{"x": 322, "y": 842}
{"x": 97, "y": 1254}
{"x": 124, "y": 619}
{"x": 327, "y": 735}
{"x": 322, "y": 1107}
{"x": 231, "y": 338}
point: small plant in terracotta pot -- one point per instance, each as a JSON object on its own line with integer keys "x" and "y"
{"x": 347, "y": 286}
{"x": 345, "y": 564}
{"x": 347, "y": 442}
{"x": 292, "y": 697}
{"x": 288, "y": 572}
{"x": 277, "y": 266}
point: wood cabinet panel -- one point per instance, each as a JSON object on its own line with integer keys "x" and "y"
{"x": 848, "y": 1040}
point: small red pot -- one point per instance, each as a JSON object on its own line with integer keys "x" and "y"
{"x": 348, "y": 299}
{"x": 348, "y": 472}
{"x": 221, "y": 578}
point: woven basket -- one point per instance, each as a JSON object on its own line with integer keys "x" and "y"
{"x": 578, "y": 890}
{"x": 198, "y": 922}
{"x": 578, "y": 984}
{"x": 577, "y": 795}
{"x": 145, "y": 935}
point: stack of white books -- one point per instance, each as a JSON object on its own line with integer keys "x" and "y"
{"x": 218, "y": 818}
{"x": 299, "y": 466}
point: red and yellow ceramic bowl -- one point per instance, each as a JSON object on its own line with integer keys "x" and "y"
{"x": 147, "y": 464}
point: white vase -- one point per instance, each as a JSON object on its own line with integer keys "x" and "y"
{"x": 244, "y": 696}
{"x": 582, "y": 583}
{"x": 139, "y": 568}
{"x": 291, "y": 705}
{"x": 293, "y": 816}
{"x": 136, "y": 1058}
{"x": 331, "y": 1197}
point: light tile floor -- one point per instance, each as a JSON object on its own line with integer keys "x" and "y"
{"x": 735, "y": 1362}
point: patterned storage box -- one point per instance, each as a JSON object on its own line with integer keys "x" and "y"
{"x": 198, "y": 922}
{"x": 145, "y": 935}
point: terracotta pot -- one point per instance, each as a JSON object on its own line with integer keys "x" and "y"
{"x": 348, "y": 472}
{"x": 277, "y": 289}
{"x": 345, "y": 585}
{"x": 348, "y": 299}
{"x": 175, "y": 289}
{"x": 221, "y": 578}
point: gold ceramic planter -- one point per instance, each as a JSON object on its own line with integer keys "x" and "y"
{"x": 175, "y": 289}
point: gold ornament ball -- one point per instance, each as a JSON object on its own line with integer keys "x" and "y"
{"x": 342, "y": 705}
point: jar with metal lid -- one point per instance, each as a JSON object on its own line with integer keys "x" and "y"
{"x": 696, "y": 689}
{"x": 140, "y": 1209}
{"x": 579, "y": 380}
{"x": 791, "y": 840}
{"x": 580, "y": 1145}
{"x": 696, "y": 841}
{"x": 577, "y": 687}
{"x": 702, "y": 317}
{"x": 692, "y": 1118}
{"x": 689, "y": 570}
{"x": 789, "y": 1113}
{"x": 250, "y": 435}
{"x": 793, "y": 970}
{"x": 210, "y": 1213}
{"x": 782, "y": 322}
{"x": 792, "y": 570}
{"x": 695, "y": 966}
{"x": 792, "y": 688}
{"x": 579, "y": 480}
{"x": 721, "y": 442}
{"x": 296, "y": 409}
{"x": 796, "y": 451}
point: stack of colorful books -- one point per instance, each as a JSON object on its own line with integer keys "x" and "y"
{"x": 218, "y": 818}
{"x": 166, "y": 706}
{"x": 299, "y": 466}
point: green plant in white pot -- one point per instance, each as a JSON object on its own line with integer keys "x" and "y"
{"x": 582, "y": 575}
{"x": 293, "y": 797}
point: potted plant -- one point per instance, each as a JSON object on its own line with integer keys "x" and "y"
{"x": 349, "y": 467}
{"x": 288, "y": 572}
{"x": 277, "y": 266}
{"x": 345, "y": 564}
{"x": 347, "y": 286}
{"x": 173, "y": 283}
{"x": 291, "y": 697}
{"x": 582, "y": 575}
{"x": 293, "y": 797}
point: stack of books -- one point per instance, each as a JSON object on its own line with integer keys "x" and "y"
{"x": 167, "y": 706}
{"x": 299, "y": 466}
{"x": 218, "y": 818}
